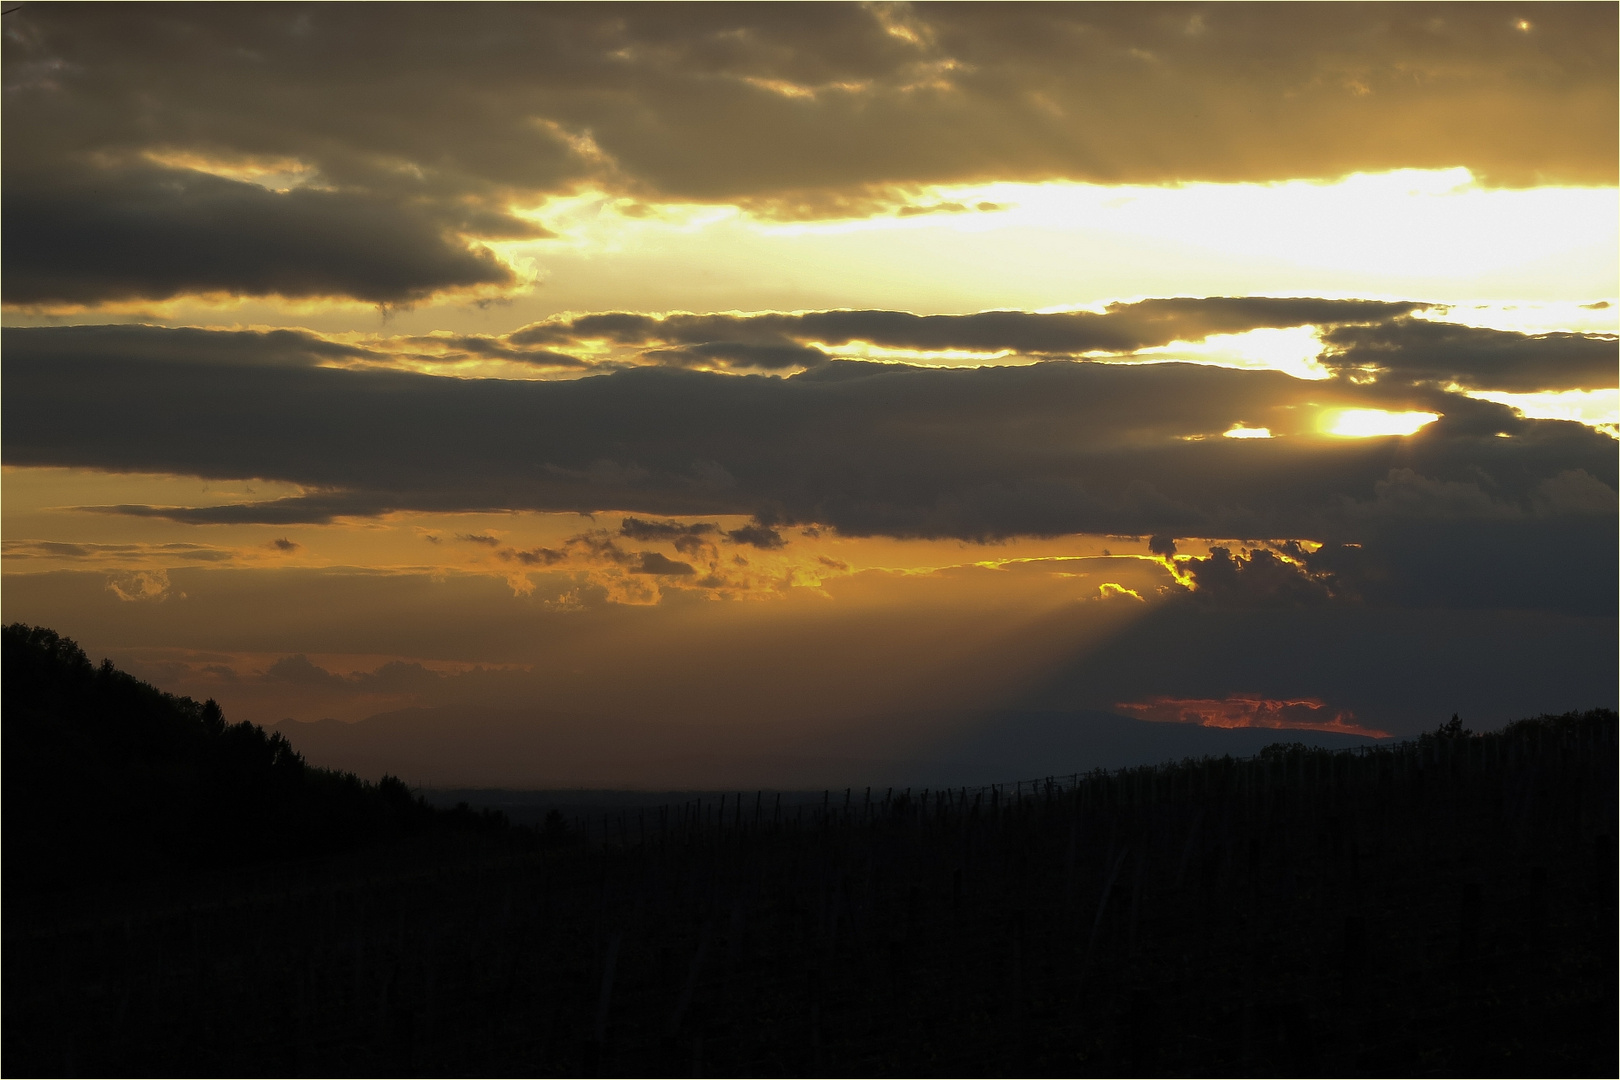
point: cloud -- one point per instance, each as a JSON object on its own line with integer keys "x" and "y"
{"x": 739, "y": 355}
{"x": 654, "y": 563}
{"x": 763, "y": 341}
{"x": 393, "y": 677}
{"x": 301, "y": 671}
{"x": 1575, "y": 491}
{"x": 137, "y": 585}
{"x": 540, "y": 556}
{"x": 1555, "y": 563}
{"x": 692, "y": 545}
{"x": 283, "y": 544}
{"x": 1445, "y": 354}
{"x": 98, "y": 235}
{"x": 1162, "y": 545}
{"x": 55, "y": 549}
{"x": 687, "y": 539}
{"x": 637, "y": 529}
{"x": 868, "y": 449}
{"x": 1257, "y": 577}
{"x": 774, "y": 340}
{"x": 757, "y": 535}
{"x": 396, "y": 677}
{"x": 228, "y": 149}
{"x": 1407, "y": 494}
{"x": 454, "y": 348}
{"x": 319, "y": 509}
{"x": 599, "y": 546}
{"x": 937, "y": 208}
{"x": 186, "y": 345}
{"x": 1250, "y": 711}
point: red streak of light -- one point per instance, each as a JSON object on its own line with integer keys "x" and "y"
{"x": 1250, "y": 711}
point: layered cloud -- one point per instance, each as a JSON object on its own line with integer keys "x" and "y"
{"x": 1474, "y": 358}
{"x": 1402, "y": 345}
{"x": 22, "y": 550}
{"x": 778, "y": 341}
{"x": 1448, "y": 515}
{"x": 261, "y": 150}
{"x": 1042, "y": 449}
{"x": 86, "y": 235}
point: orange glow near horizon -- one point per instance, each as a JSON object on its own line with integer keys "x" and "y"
{"x": 63, "y": 519}
{"x": 1250, "y": 711}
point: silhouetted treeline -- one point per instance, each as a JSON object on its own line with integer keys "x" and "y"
{"x": 109, "y": 779}
{"x": 1441, "y": 907}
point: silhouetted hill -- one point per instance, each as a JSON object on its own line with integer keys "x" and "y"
{"x": 1442, "y": 906}
{"x": 108, "y": 778}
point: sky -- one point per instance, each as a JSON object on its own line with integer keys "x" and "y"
{"x": 663, "y": 396}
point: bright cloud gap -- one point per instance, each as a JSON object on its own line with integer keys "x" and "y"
{"x": 1373, "y": 423}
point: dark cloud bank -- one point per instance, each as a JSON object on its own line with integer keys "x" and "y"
{"x": 1365, "y": 340}
{"x": 85, "y": 237}
{"x": 365, "y": 151}
{"x": 1481, "y": 507}
{"x": 781, "y": 341}
{"x": 1389, "y": 343}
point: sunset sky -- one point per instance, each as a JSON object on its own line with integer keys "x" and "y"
{"x": 749, "y": 394}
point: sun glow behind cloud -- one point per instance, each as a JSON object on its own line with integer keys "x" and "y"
{"x": 279, "y": 174}
{"x": 1238, "y": 431}
{"x": 1435, "y": 234}
{"x": 1290, "y": 349}
{"x": 1370, "y": 423}
{"x": 1428, "y": 222}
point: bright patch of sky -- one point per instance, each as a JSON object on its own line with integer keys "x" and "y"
{"x": 1372, "y": 423}
{"x": 1506, "y": 257}
{"x": 1595, "y": 317}
{"x": 1292, "y": 349}
{"x": 1599, "y": 408}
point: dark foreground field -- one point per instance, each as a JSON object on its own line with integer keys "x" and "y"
{"x": 1445, "y": 907}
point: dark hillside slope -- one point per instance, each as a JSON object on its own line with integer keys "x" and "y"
{"x": 109, "y": 779}
{"x": 1440, "y": 907}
